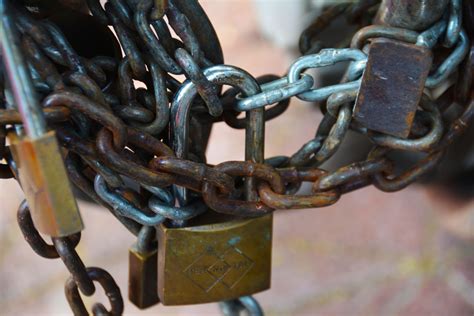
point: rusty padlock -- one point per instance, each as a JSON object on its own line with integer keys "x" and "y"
{"x": 214, "y": 257}
{"x": 40, "y": 167}
{"x": 392, "y": 86}
{"x": 143, "y": 269}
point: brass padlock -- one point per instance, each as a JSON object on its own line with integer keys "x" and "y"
{"x": 44, "y": 181}
{"x": 392, "y": 86}
{"x": 215, "y": 257}
{"x": 143, "y": 268}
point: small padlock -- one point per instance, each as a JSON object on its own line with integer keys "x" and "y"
{"x": 44, "y": 181}
{"x": 391, "y": 87}
{"x": 214, "y": 258}
{"x": 143, "y": 268}
{"x": 37, "y": 155}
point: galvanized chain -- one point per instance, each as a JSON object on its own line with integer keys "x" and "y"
{"x": 137, "y": 149}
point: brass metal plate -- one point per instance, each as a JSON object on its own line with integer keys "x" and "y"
{"x": 142, "y": 276}
{"x": 45, "y": 183}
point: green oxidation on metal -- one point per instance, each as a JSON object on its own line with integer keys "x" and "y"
{"x": 234, "y": 240}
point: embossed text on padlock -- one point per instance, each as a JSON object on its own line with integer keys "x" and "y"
{"x": 143, "y": 269}
{"x": 215, "y": 260}
{"x": 391, "y": 87}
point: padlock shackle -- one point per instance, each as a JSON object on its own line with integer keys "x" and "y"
{"x": 181, "y": 106}
{"x": 181, "y": 109}
{"x": 19, "y": 78}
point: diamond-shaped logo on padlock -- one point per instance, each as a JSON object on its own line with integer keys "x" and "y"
{"x": 240, "y": 264}
{"x": 227, "y": 268}
{"x": 219, "y": 269}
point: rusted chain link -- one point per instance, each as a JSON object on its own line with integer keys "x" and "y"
{"x": 112, "y": 291}
{"x": 81, "y": 277}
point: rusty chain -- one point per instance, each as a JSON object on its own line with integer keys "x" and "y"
{"x": 137, "y": 148}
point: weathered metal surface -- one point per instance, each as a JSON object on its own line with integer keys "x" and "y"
{"x": 414, "y": 15}
{"x": 33, "y": 237}
{"x": 143, "y": 270}
{"x": 44, "y": 180}
{"x": 111, "y": 289}
{"x": 215, "y": 260}
{"x": 380, "y": 107}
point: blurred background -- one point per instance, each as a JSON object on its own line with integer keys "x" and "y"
{"x": 373, "y": 253}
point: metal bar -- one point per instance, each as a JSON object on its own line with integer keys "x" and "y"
{"x": 254, "y": 146}
{"x": 18, "y": 75}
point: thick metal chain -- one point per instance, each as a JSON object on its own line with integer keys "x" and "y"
{"x": 120, "y": 136}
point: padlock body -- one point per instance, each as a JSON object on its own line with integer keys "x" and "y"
{"x": 142, "y": 276}
{"x": 392, "y": 86}
{"x": 209, "y": 262}
{"x": 46, "y": 186}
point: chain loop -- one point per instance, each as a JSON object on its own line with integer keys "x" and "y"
{"x": 108, "y": 284}
{"x": 34, "y": 239}
{"x": 122, "y": 206}
{"x": 74, "y": 264}
{"x": 391, "y": 182}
